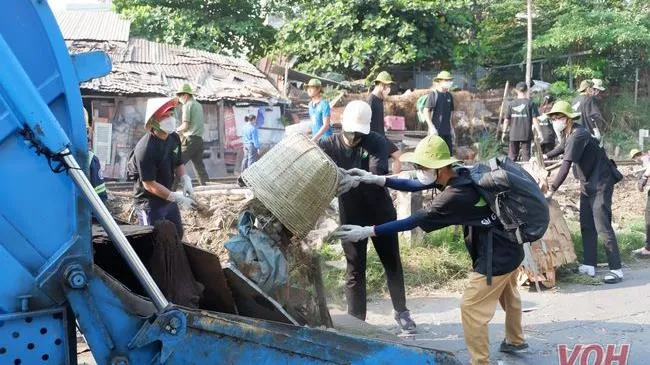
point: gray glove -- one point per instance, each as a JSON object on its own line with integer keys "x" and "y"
{"x": 181, "y": 200}
{"x": 347, "y": 182}
{"x": 188, "y": 190}
{"x": 352, "y": 233}
{"x": 367, "y": 177}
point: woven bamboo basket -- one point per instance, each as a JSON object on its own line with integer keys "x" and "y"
{"x": 296, "y": 181}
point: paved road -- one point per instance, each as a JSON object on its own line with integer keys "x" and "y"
{"x": 572, "y": 314}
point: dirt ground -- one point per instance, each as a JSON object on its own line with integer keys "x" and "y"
{"x": 628, "y": 204}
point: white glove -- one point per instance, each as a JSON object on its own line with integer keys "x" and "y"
{"x": 188, "y": 190}
{"x": 597, "y": 134}
{"x": 181, "y": 200}
{"x": 549, "y": 194}
{"x": 367, "y": 177}
{"x": 352, "y": 233}
{"x": 347, "y": 182}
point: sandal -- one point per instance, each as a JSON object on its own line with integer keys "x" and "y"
{"x": 642, "y": 253}
{"x": 612, "y": 278}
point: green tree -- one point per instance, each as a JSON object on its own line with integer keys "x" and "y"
{"x": 234, "y": 27}
{"x": 359, "y": 37}
{"x": 617, "y": 33}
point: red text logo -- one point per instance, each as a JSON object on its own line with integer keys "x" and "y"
{"x": 593, "y": 354}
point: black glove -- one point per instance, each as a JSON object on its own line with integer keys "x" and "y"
{"x": 641, "y": 184}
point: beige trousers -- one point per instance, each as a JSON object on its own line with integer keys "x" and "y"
{"x": 477, "y": 307}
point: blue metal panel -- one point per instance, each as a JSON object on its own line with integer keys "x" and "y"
{"x": 106, "y": 313}
{"x": 34, "y": 338}
{"x": 40, "y": 211}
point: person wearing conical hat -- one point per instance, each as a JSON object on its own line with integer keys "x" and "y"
{"x": 644, "y": 159}
{"x": 597, "y": 177}
{"x": 367, "y": 205}
{"x": 191, "y": 132}
{"x": 459, "y": 203}
{"x": 590, "y": 116}
{"x": 437, "y": 111}
{"x": 155, "y": 162}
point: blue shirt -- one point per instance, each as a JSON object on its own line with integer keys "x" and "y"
{"x": 317, "y": 112}
{"x": 250, "y": 136}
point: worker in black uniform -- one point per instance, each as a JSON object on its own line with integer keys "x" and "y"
{"x": 545, "y": 129}
{"x": 94, "y": 167}
{"x": 156, "y": 160}
{"x": 590, "y": 116}
{"x": 367, "y": 205}
{"x": 597, "y": 177}
{"x": 520, "y": 115}
{"x": 459, "y": 203}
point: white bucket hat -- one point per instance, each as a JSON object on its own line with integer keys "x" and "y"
{"x": 356, "y": 117}
{"x": 598, "y": 84}
{"x": 158, "y": 106}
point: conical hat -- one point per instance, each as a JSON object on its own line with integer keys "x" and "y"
{"x": 158, "y": 106}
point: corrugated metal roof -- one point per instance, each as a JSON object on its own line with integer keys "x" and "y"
{"x": 144, "y": 51}
{"x": 93, "y": 25}
{"x": 144, "y": 67}
{"x": 210, "y": 80}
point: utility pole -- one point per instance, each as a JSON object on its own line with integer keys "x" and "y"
{"x": 529, "y": 46}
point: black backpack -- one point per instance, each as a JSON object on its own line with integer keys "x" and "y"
{"x": 513, "y": 195}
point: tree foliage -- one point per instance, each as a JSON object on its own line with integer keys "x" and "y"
{"x": 234, "y": 27}
{"x": 615, "y": 32}
{"x": 359, "y": 37}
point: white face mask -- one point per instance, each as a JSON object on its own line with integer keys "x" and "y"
{"x": 446, "y": 84}
{"x": 559, "y": 125}
{"x": 427, "y": 177}
{"x": 168, "y": 124}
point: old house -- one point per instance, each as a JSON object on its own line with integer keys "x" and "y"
{"x": 228, "y": 88}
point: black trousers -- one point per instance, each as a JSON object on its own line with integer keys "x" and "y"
{"x": 449, "y": 141}
{"x": 647, "y": 222}
{"x": 147, "y": 214}
{"x": 516, "y": 147}
{"x": 596, "y": 219}
{"x": 387, "y": 247}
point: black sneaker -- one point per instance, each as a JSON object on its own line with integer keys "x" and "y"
{"x": 513, "y": 349}
{"x": 405, "y": 322}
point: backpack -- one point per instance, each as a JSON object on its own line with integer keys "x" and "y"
{"x": 421, "y": 103}
{"x": 513, "y": 195}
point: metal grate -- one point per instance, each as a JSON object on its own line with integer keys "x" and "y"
{"x": 33, "y": 338}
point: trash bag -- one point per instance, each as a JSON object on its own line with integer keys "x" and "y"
{"x": 257, "y": 256}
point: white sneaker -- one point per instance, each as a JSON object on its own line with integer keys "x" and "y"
{"x": 587, "y": 270}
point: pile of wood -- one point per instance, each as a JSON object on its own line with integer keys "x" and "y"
{"x": 553, "y": 250}
{"x": 556, "y": 247}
